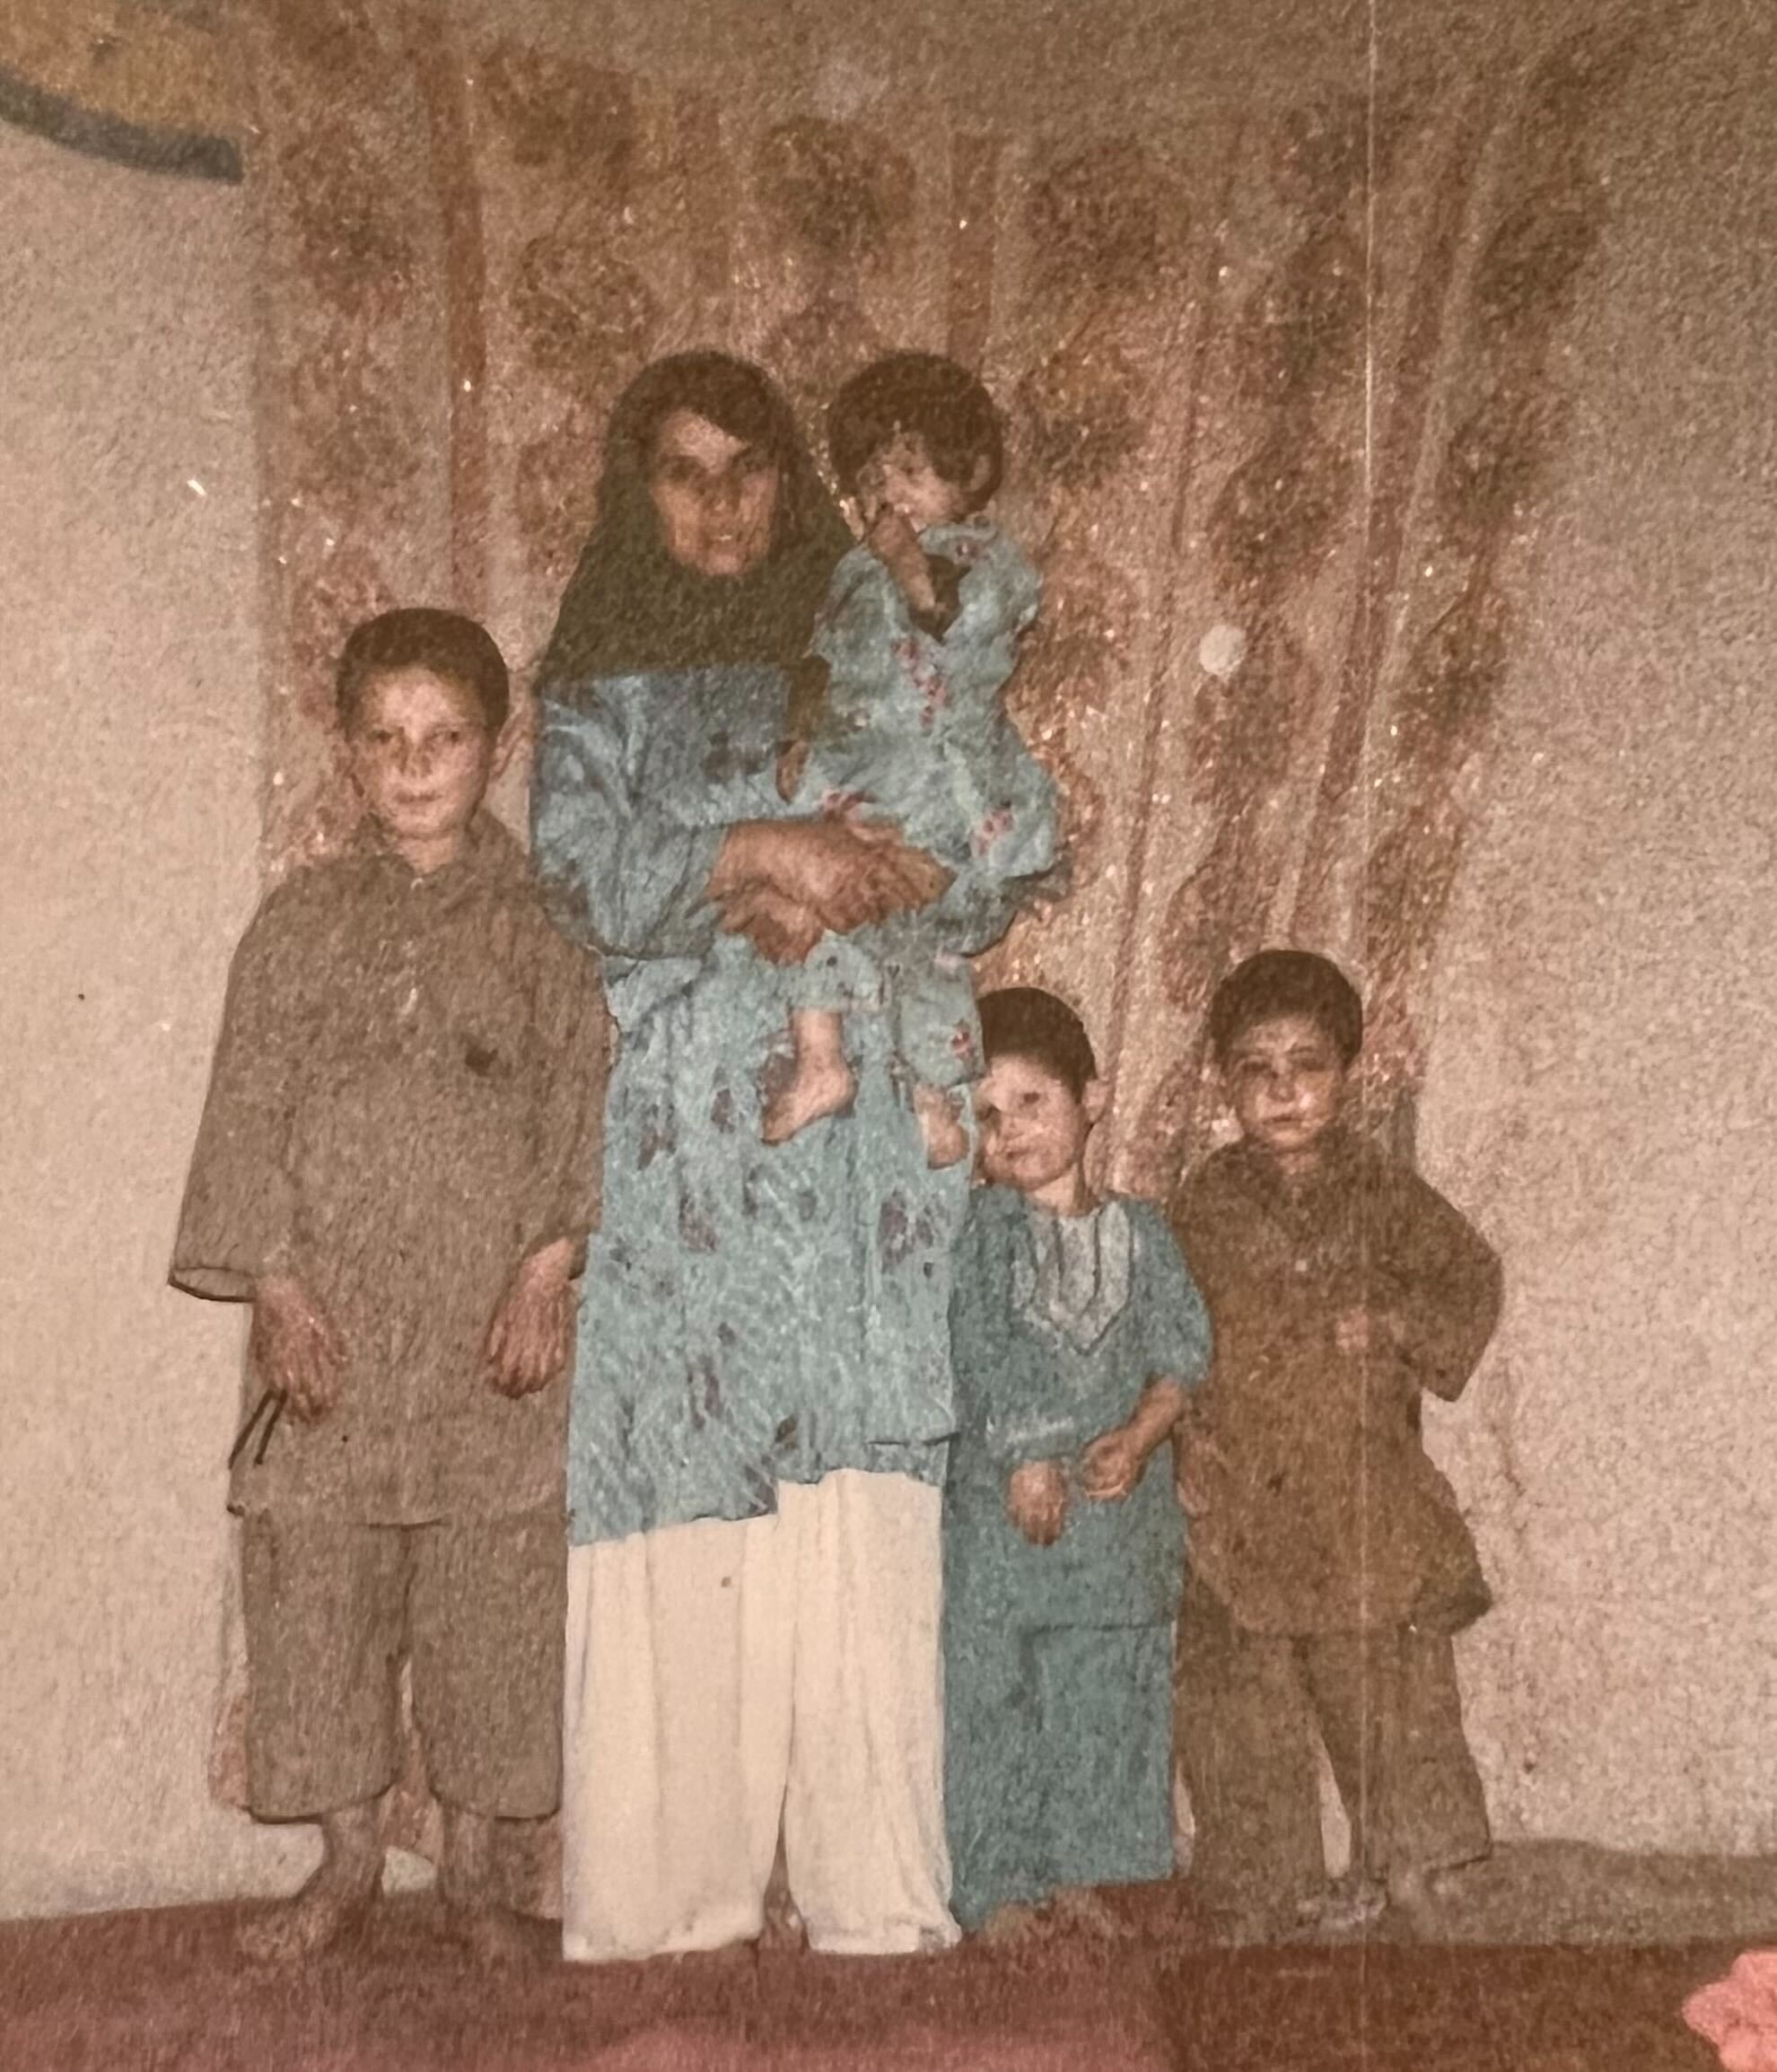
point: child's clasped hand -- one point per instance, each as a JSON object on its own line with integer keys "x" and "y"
{"x": 1036, "y": 1502}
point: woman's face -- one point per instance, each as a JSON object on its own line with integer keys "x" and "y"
{"x": 716, "y": 495}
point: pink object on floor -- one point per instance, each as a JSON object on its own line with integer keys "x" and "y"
{"x": 1738, "y": 2014}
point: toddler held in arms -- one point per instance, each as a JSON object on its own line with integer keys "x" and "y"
{"x": 898, "y": 714}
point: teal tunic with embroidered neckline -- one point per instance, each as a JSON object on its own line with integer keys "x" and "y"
{"x": 1032, "y": 1386}
{"x": 1058, "y": 1660}
{"x": 753, "y": 1314}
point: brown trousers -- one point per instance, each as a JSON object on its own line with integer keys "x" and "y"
{"x": 1386, "y": 1708}
{"x": 477, "y": 1607}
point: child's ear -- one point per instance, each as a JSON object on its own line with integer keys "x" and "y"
{"x": 980, "y": 475}
{"x": 1093, "y": 1096}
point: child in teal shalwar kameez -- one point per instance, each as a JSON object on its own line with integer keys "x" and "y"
{"x": 1075, "y": 1331}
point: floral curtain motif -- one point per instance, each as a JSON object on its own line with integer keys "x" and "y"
{"x": 350, "y": 373}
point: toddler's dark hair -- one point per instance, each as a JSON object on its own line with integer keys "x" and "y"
{"x": 1023, "y": 1021}
{"x": 1278, "y": 981}
{"x": 418, "y": 637}
{"x": 929, "y": 398}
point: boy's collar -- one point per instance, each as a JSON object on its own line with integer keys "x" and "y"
{"x": 1341, "y": 1152}
{"x": 487, "y": 844}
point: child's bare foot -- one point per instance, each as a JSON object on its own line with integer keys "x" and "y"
{"x": 1008, "y": 1926}
{"x": 1417, "y": 1895}
{"x": 1353, "y": 1904}
{"x": 946, "y": 1140}
{"x": 815, "y": 1089}
{"x": 1081, "y": 1907}
{"x": 492, "y": 1934}
{"x": 335, "y": 1901}
{"x": 329, "y": 1908}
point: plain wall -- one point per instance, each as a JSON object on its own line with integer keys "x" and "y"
{"x": 1603, "y": 1087}
{"x": 129, "y": 819}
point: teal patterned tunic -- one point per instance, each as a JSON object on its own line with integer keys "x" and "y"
{"x": 1058, "y": 1660}
{"x": 753, "y": 1314}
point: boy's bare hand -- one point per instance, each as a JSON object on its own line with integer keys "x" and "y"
{"x": 532, "y": 1330}
{"x": 296, "y": 1351}
{"x": 1036, "y": 1502}
{"x": 528, "y": 1339}
{"x": 1111, "y": 1466}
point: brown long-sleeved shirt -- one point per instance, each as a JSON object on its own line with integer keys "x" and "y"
{"x": 1328, "y": 1516}
{"x": 406, "y": 1101}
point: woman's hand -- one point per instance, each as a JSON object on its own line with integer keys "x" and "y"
{"x": 296, "y": 1351}
{"x": 846, "y": 872}
{"x": 782, "y": 932}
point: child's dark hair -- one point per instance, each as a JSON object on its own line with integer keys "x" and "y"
{"x": 1279, "y": 982}
{"x": 418, "y": 637}
{"x": 926, "y": 397}
{"x": 1023, "y": 1021}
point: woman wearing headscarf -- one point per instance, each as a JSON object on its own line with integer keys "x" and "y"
{"x": 763, "y": 1396}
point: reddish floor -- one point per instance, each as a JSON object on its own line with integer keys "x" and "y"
{"x": 164, "y": 1992}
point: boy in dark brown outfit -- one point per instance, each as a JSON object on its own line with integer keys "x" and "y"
{"x": 398, "y": 1166}
{"x": 1329, "y": 1561}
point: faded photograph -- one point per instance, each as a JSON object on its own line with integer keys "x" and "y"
{"x": 889, "y": 923}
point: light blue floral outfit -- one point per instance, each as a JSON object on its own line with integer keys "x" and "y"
{"x": 916, "y": 729}
{"x": 753, "y": 1314}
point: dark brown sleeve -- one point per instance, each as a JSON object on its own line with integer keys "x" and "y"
{"x": 1440, "y": 1282}
{"x": 1199, "y": 1221}
{"x": 946, "y": 584}
{"x": 575, "y": 1030}
{"x": 239, "y": 1213}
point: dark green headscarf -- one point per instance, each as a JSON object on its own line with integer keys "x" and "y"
{"x": 630, "y": 607}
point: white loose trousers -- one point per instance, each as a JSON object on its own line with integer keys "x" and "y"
{"x": 722, "y": 1677}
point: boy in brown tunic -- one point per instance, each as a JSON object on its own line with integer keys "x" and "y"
{"x": 398, "y": 1166}
{"x": 1329, "y": 1561}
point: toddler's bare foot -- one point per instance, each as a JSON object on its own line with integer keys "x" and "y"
{"x": 1008, "y": 1926}
{"x": 1255, "y": 1926}
{"x": 490, "y": 1933}
{"x": 815, "y": 1089}
{"x": 946, "y": 1140}
{"x": 335, "y": 1902}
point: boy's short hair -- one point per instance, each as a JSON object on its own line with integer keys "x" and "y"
{"x": 1280, "y": 982}
{"x": 419, "y": 637}
{"x": 926, "y": 397}
{"x": 1023, "y": 1021}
